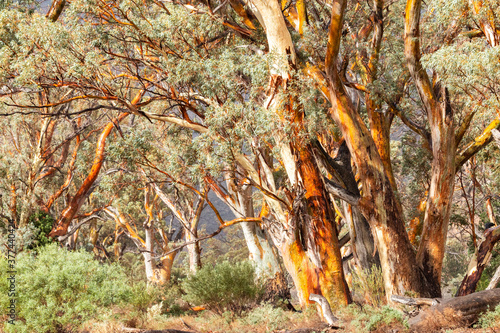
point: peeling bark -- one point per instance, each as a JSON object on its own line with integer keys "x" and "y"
{"x": 440, "y": 116}
{"x": 340, "y": 169}
{"x": 379, "y": 203}
{"x": 307, "y": 239}
{"x": 479, "y": 262}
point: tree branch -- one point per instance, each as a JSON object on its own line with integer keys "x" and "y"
{"x": 341, "y": 193}
{"x": 479, "y": 143}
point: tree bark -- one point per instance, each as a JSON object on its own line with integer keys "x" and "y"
{"x": 261, "y": 252}
{"x": 362, "y": 242}
{"x": 455, "y": 312}
{"x": 61, "y": 228}
{"x": 479, "y": 262}
{"x": 308, "y": 240}
{"x": 378, "y": 203}
{"x": 147, "y": 252}
{"x": 440, "y": 116}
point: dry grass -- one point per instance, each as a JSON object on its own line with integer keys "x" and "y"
{"x": 260, "y": 320}
{"x": 266, "y": 319}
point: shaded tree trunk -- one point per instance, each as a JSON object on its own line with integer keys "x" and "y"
{"x": 241, "y": 204}
{"x": 362, "y": 242}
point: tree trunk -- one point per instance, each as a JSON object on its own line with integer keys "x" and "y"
{"x": 194, "y": 251}
{"x": 440, "y": 116}
{"x": 379, "y": 203}
{"x": 494, "y": 280}
{"x": 29, "y": 200}
{"x": 261, "y": 252}
{"x": 164, "y": 272}
{"x": 147, "y": 252}
{"x": 380, "y": 122}
{"x": 61, "y": 228}
{"x": 308, "y": 241}
{"x": 362, "y": 242}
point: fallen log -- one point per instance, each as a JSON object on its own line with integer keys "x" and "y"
{"x": 415, "y": 301}
{"x": 454, "y": 312}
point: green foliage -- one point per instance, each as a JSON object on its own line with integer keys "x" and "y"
{"x": 224, "y": 287}
{"x": 368, "y": 318}
{"x": 454, "y": 264}
{"x": 144, "y": 296}
{"x": 230, "y": 246}
{"x": 490, "y": 319}
{"x": 43, "y": 223}
{"x": 268, "y": 315}
{"x": 58, "y": 289}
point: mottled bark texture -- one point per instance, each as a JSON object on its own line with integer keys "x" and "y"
{"x": 440, "y": 117}
{"x": 379, "y": 204}
{"x": 479, "y": 262}
{"x": 307, "y": 238}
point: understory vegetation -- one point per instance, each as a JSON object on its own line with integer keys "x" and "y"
{"x": 81, "y": 294}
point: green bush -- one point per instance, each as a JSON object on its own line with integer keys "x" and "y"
{"x": 224, "y": 287}
{"x": 368, "y": 318}
{"x": 268, "y": 315}
{"x": 43, "y": 223}
{"x": 59, "y": 290}
{"x": 489, "y": 319}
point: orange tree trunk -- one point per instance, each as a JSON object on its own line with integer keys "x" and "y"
{"x": 312, "y": 255}
{"x": 308, "y": 240}
{"x": 378, "y": 203}
{"x": 380, "y": 122}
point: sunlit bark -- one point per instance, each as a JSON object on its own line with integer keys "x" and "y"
{"x": 378, "y": 202}
{"x": 308, "y": 241}
{"x": 69, "y": 212}
{"x": 56, "y": 9}
{"x": 440, "y": 116}
{"x": 487, "y": 23}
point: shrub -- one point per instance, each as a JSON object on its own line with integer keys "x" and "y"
{"x": 43, "y": 223}
{"x": 224, "y": 287}
{"x": 58, "y": 289}
{"x": 490, "y": 319}
{"x": 266, "y": 315}
{"x": 368, "y": 318}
